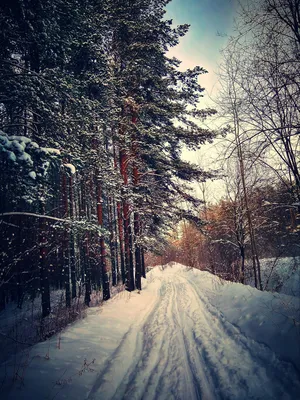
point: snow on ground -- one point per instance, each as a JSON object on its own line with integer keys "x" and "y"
{"x": 187, "y": 335}
{"x": 23, "y": 327}
{"x": 282, "y": 275}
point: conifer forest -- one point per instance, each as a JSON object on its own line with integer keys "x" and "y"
{"x": 93, "y": 118}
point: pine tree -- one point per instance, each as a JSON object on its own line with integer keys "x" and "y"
{"x": 154, "y": 95}
{"x": 107, "y": 114}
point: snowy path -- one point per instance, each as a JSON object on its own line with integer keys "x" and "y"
{"x": 169, "y": 342}
{"x": 185, "y": 349}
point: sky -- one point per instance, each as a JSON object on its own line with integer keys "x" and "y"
{"x": 211, "y": 23}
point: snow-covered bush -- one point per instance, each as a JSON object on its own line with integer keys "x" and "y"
{"x": 26, "y": 168}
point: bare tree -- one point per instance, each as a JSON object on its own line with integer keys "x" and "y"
{"x": 268, "y": 49}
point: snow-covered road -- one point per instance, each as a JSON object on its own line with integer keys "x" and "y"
{"x": 169, "y": 342}
{"x": 185, "y": 349}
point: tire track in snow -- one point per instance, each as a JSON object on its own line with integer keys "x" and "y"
{"x": 114, "y": 369}
{"x": 141, "y": 378}
{"x": 183, "y": 348}
{"x": 159, "y": 375}
{"x": 163, "y": 367}
{"x": 118, "y": 377}
{"x": 201, "y": 377}
{"x": 234, "y": 360}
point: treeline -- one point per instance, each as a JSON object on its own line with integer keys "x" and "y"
{"x": 93, "y": 116}
{"x": 223, "y": 245}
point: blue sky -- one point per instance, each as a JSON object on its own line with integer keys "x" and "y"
{"x": 210, "y": 20}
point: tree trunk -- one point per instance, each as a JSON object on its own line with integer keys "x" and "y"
{"x": 254, "y": 255}
{"x": 242, "y": 277}
{"x": 66, "y": 240}
{"x": 136, "y": 217}
{"x": 121, "y": 240}
{"x": 72, "y": 240}
{"x": 87, "y": 271}
{"x": 44, "y": 273}
{"x": 105, "y": 277}
{"x": 112, "y": 242}
{"x": 129, "y": 284}
{"x": 143, "y": 267}
{"x": 115, "y": 228}
{"x": 119, "y": 225}
{"x": 138, "y": 264}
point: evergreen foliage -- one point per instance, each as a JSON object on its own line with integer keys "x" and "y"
{"x": 88, "y": 92}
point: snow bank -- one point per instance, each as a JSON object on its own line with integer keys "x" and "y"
{"x": 269, "y": 318}
{"x": 71, "y": 168}
{"x": 282, "y": 275}
{"x": 50, "y": 150}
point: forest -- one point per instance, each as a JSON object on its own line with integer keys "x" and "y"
{"x": 94, "y": 116}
